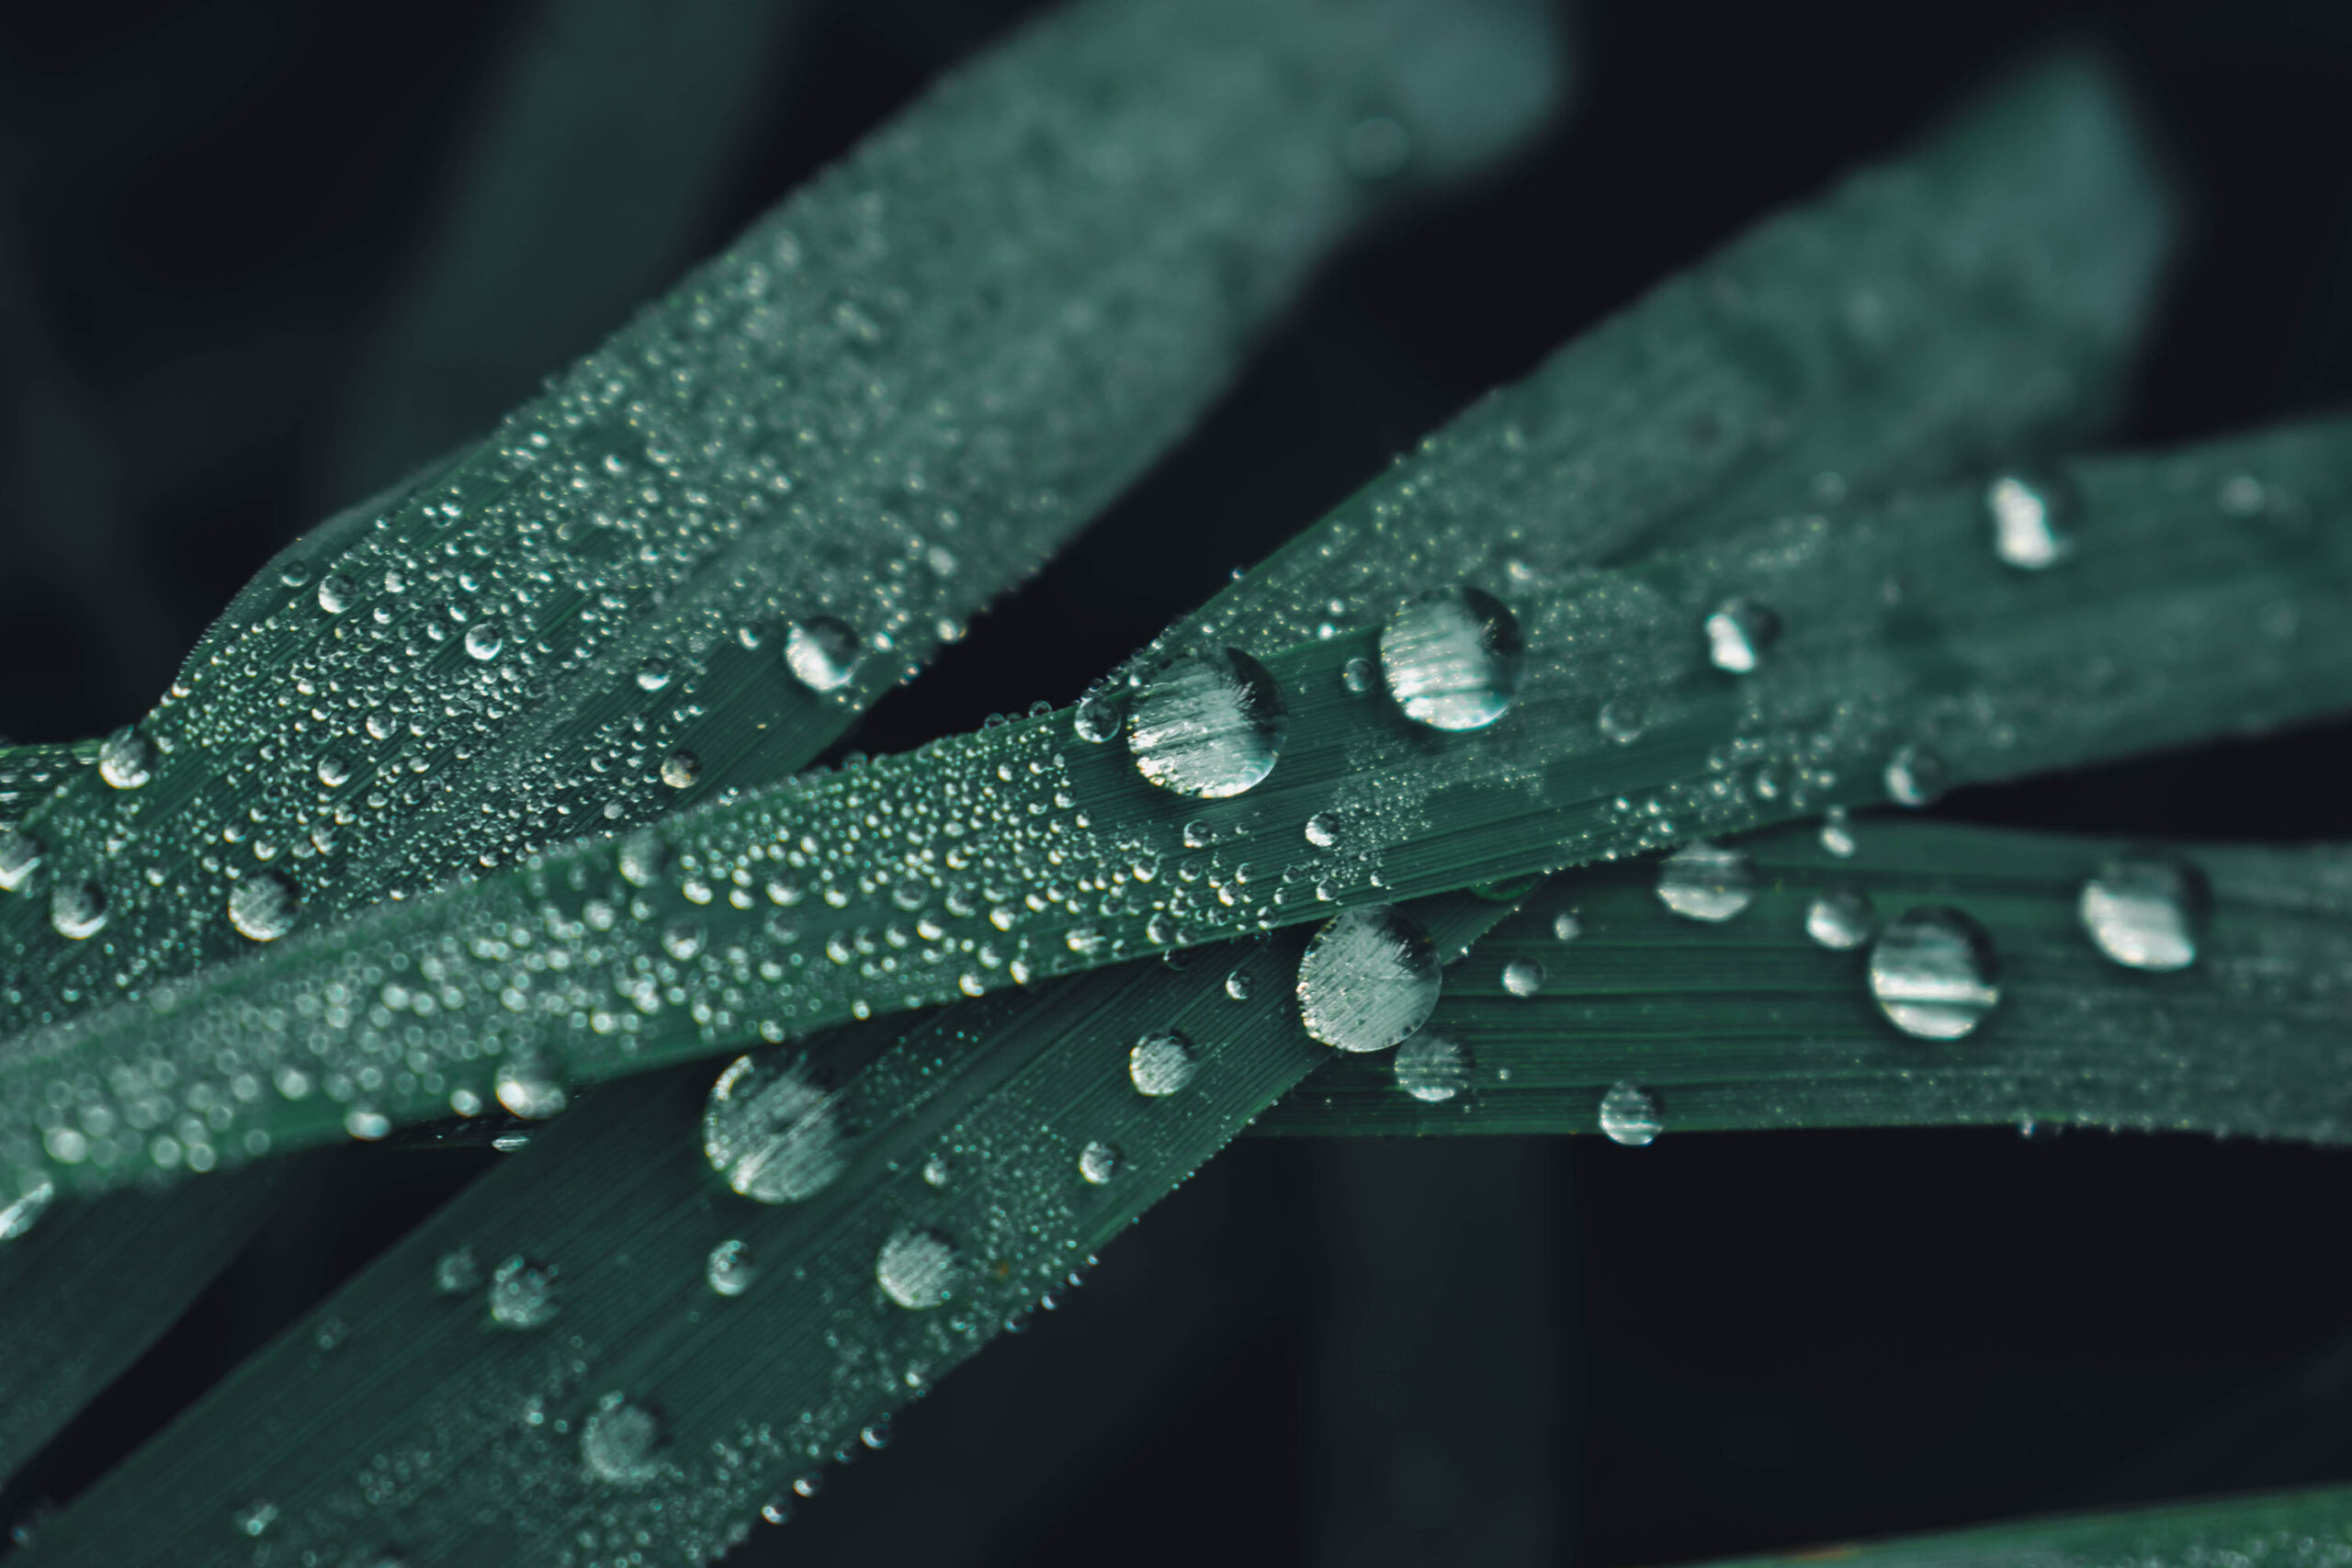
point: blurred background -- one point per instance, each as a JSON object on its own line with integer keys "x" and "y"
{"x": 256, "y": 256}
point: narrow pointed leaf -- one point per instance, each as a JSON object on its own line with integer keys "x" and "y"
{"x": 2173, "y": 988}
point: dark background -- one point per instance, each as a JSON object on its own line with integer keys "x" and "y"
{"x": 1381, "y": 1353}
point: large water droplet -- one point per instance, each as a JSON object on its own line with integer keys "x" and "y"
{"x": 1914, "y": 776}
{"x": 917, "y": 1269}
{"x": 1098, "y": 1162}
{"x": 1452, "y": 659}
{"x": 334, "y": 593}
{"x": 1934, "y": 972}
{"x": 730, "y": 1269}
{"x": 621, "y": 1441}
{"x": 263, "y": 904}
{"x": 1630, "y": 1115}
{"x": 2030, "y": 514}
{"x": 1522, "y": 978}
{"x": 821, "y": 652}
{"x": 1739, "y": 633}
{"x": 771, "y": 1131}
{"x": 21, "y": 856}
{"x": 482, "y": 640}
{"x": 1211, "y": 725}
{"x": 1432, "y": 1067}
{"x": 528, "y": 1089}
{"x": 127, "y": 759}
{"x": 1098, "y": 717}
{"x": 2145, "y": 912}
{"x": 523, "y": 1293}
{"x": 78, "y": 911}
{"x": 680, "y": 768}
{"x": 1323, "y": 830}
{"x": 1163, "y": 1064}
{"x": 653, "y": 674}
{"x": 1703, "y": 881}
{"x": 1840, "y": 918}
{"x": 1368, "y": 979}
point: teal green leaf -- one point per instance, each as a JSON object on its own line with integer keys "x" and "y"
{"x": 29, "y": 774}
{"x": 705, "y": 1350}
{"x": 2311, "y": 1530}
{"x": 769, "y": 497}
{"x": 1752, "y": 1022}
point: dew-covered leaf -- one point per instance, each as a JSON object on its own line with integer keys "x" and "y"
{"x": 770, "y": 1266}
{"x": 1794, "y": 979}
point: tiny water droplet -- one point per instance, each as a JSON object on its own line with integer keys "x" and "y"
{"x": 127, "y": 759}
{"x": 1356, "y": 676}
{"x": 730, "y": 1269}
{"x": 1323, "y": 830}
{"x": 79, "y": 911}
{"x": 683, "y": 938}
{"x": 256, "y": 1517}
{"x": 1237, "y": 985}
{"x": 621, "y": 1441}
{"x": 1210, "y": 725}
{"x": 1098, "y": 1162}
{"x": 1935, "y": 972}
{"x": 1098, "y": 717}
{"x": 1740, "y": 632}
{"x": 917, "y": 1269}
{"x": 263, "y": 904}
{"x": 680, "y": 768}
{"x": 1621, "y": 720}
{"x": 1837, "y": 833}
{"x": 937, "y": 1172}
{"x": 21, "y": 856}
{"x": 2031, "y": 516}
{"x": 523, "y": 1293}
{"x": 1629, "y": 1114}
{"x": 876, "y": 1435}
{"x": 822, "y": 653}
{"x": 1566, "y": 926}
{"x": 1368, "y": 979}
{"x": 455, "y": 1272}
{"x": 2145, "y": 912}
{"x": 1705, "y": 881}
{"x": 528, "y": 1089}
{"x": 653, "y": 674}
{"x": 771, "y": 1131}
{"x": 1914, "y": 776}
{"x": 1840, "y": 918}
{"x": 1522, "y": 978}
{"x": 1161, "y": 1064}
{"x": 1452, "y": 659}
{"x": 1432, "y": 1067}
{"x": 482, "y": 641}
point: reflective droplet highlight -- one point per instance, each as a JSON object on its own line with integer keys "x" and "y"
{"x": 127, "y": 759}
{"x": 730, "y": 1269}
{"x": 1432, "y": 1067}
{"x": 1740, "y": 632}
{"x": 1630, "y": 1115}
{"x": 2031, "y": 516}
{"x": 1098, "y": 1162}
{"x": 20, "y": 856}
{"x": 771, "y": 1131}
{"x": 1914, "y": 776}
{"x": 79, "y": 911}
{"x": 680, "y": 768}
{"x": 822, "y": 653}
{"x": 528, "y": 1089}
{"x": 1211, "y": 725}
{"x": 482, "y": 641}
{"x": 2145, "y": 912}
{"x": 1452, "y": 659}
{"x": 1368, "y": 979}
{"x": 1934, "y": 972}
{"x": 263, "y": 904}
{"x": 1705, "y": 881}
{"x": 1522, "y": 978}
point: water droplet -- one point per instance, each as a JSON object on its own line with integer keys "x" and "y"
{"x": 937, "y": 1172}
{"x": 621, "y": 1441}
{"x": 1621, "y": 720}
{"x": 1238, "y": 985}
{"x": 653, "y": 674}
{"x": 771, "y": 1131}
{"x": 334, "y": 593}
{"x": 876, "y": 1435}
{"x": 263, "y": 904}
{"x": 1432, "y": 1067}
{"x": 2145, "y": 912}
{"x": 1840, "y": 918}
{"x": 528, "y": 1089}
{"x": 822, "y": 653}
{"x": 1629, "y": 1114}
{"x": 20, "y": 854}
{"x": 1837, "y": 833}
{"x": 364, "y": 1123}
{"x": 1211, "y": 725}
{"x": 730, "y": 1270}
{"x": 1522, "y": 978}
{"x": 256, "y": 1517}
{"x": 680, "y": 768}
{"x": 1368, "y": 979}
{"x": 683, "y": 938}
{"x": 1914, "y": 776}
{"x": 1934, "y": 972}
{"x": 335, "y": 771}
{"x": 1566, "y": 927}
{"x": 917, "y": 1269}
{"x": 455, "y": 1272}
{"x": 643, "y": 858}
{"x": 1356, "y": 676}
{"x": 1098, "y": 717}
{"x": 127, "y": 759}
{"x": 23, "y": 1212}
{"x": 78, "y": 911}
{"x": 1163, "y": 1064}
{"x": 1703, "y": 881}
{"x": 2030, "y": 514}
{"x": 1452, "y": 659}
{"x": 1740, "y": 632}
{"x": 1098, "y": 1162}
{"x": 1323, "y": 830}
{"x": 523, "y": 1293}
{"x": 482, "y": 640}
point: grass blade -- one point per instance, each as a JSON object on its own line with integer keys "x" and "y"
{"x": 487, "y": 1455}
{"x": 1752, "y": 1022}
{"x": 2296, "y": 1527}
{"x": 887, "y": 401}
